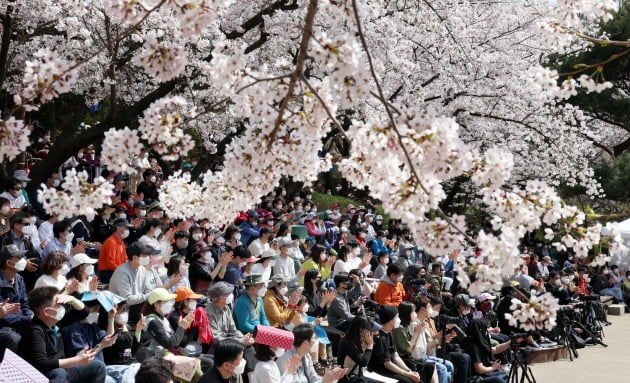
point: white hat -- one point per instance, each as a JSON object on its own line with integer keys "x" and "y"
{"x": 80, "y": 259}
{"x": 268, "y": 253}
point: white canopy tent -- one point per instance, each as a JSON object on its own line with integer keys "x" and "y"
{"x": 621, "y": 257}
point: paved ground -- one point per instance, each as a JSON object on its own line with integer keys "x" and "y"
{"x": 595, "y": 364}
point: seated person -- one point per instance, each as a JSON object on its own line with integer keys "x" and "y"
{"x": 87, "y": 333}
{"x": 385, "y": 359}
{"x": 155, "y": 370}
{"x": 278, "y": 309}
{"x": 339, "y": 314}
{"x": 249, "y": 309}
{"x": 124, "y": 349}
{"x": 356, "y": 345}
{"x": 482, "y": 353}
{"x": 42, "y": 344}
{"x": 131, "y": 279}
{"x": 266, "y": 370}
{"x": 159, "y": 336}
{"x": 13, "y": 291}
{"x": 390, "y": 290}
{"x": 300, "y": 368}
{"x": 228, "y": 363}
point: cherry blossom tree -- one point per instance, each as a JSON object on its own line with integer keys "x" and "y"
{"x": 439, "y": 89}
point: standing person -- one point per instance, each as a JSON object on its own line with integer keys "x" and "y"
{"x": 42, "y": 344}
{"x": 249, "y": 309}
{"x": 385, "y": 360}
{"x": 114, "y": 251}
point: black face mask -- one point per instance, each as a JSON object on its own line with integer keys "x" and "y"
{"x": 320, "y": 283}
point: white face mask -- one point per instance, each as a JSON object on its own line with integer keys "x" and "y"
{"x": 167, "y": 307}
{"x": 20, "y": 265}
{"x": 466, "y": 312}
{"x": 144, "y": 261}
{"x": 192, "y": 305}
{"x": 5, "y": 210}
{"x": 356, "y": 251}
{"x": 238, "y": 370}
{"x": 208, "y": 257}
{"x": 153, "y": 179}
{"x": 122, "y": 318}
{"x": 433, "y": 313}
{"x": 284, "y": 290}
{"x": 242, "y": 264}
{"x": 27, "y": 230}
{"x": 362, "y": 235}
{"x": 196, "y": 236}
{"x": 32, "y": 220}
{"x": 237, "y": 236}
{"x": 125, "y": 234}
{"x": 279, "y": 352}
{"x": 386, "y": 261}
{"x": 400, "y": 278}
{"x": 305, "y": 308}
{"x": 229, "y": 299}
{"x": 378, "y": 222}
{"x": 261, "y": 292}
{"x": 157, "y": 232}
{"x": 64, "y": 269}
{"x": 89, "y": 270}
{"x": 69, "y": 237}
{"x": 92, "y": 318}
{"x": 397, "y": 322}
{"x": 220, "y": 240}
{"x": 323, "y": 256}
{"x": 56, "y": 183}
{"x": 59, "y": 313}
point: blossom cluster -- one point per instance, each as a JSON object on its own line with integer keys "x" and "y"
{"x": 119, "y": 148}
{"x": 539, "y": 313}
{"x": 13, "y": 138}
{"x": 78, "y": 195}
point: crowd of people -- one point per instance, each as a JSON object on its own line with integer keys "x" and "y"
{"x": 137, "y": 295}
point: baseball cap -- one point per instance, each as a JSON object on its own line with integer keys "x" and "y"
{"x": 183, "y": 293}
{"x": 80, "y": 259}
{"x": 160, "y": 294}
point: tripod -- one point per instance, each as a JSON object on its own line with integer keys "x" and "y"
{"x": 520, "y": 371}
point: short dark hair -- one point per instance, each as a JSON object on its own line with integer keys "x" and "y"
{"x": 421, "y": 301}
{"x": 302, "y": 333}
{"x": 404, "y": 312}
{"x": 435, "y": 300}
{"x": 174, "y": 265}
{"x": 263, "y": 352}
{"x": 155, "y": 370}
{"x": 341, "y": 278}
{"x": 393, "y": 268}
{"x": 436, "y": 266}
{"x": 60, "y": 227}
{"x": 41, "y": 297}
{"x": 148, "y": 173}
{"x": 18, "y": 218}
{"x": 242, "y": 252}
{"x": 54, "y": 261}
{"x": 179, "y": 234}
{"x": 12, "y": 183}
{"x": 227, "y": 351}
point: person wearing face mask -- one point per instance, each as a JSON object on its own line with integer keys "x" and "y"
{"x": 261, "y": 244}
{"x": 81, "y": 275}
{"x": 86, "y": 331}
{"x": 249, "y": 309}
{"x": 177, "y": 274}
{"x": 52, "y": 182}
{"x": 123, "y": 351}
{"x": 113, "y": 253}
{"x": 297, "y": 365}
{"x": 55, "y": 268}
{"x": 462, "y": 307}
{"x": 584, "y": 281}
{"x": 43, "y": 346}
{"x": 320, "y": 261}
{"x": 222, "y": 323}
{"x": 249, "y": 228}
{"x": 406, "y": 338}
{"x": 159, "y": 336}
{"x": 5, "y": 212}
{"x": 62, "y": 240}
{"x": 14, "y": 194}
{"x": 381, "y": 269}
{"x": 280, "y": 307}
{"x": 229, "y": 363}
{"x": 102, "y": 225}
{"x": 196, "y": 236}
{"x": 148, "y": 187}
{"x": 198, "y": 336}
{"x": 13, "y": 290}
{"x": 378, "y": 244}
{"x": 390, "y": 290}
{"x": 266, "y": 370}
{"x": 339, "y": 313}
{"x": 201, "y": 268}
{"x": 232, "y": 273}
{"x": 312, "y": 228}
{"x": 385, "y": 359}
{"x": 180, "y": 246}
{"x": 152, "y": 230}
{"x": 31, "y": 230}
{"x": 16, "y": 236}
{"x": 131, "y": 279}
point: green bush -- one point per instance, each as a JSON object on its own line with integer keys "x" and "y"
{"x": 324, "y": 201}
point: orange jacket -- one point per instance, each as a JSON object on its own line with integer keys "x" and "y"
{"x": 113, "y": 253}
{"x": 387, "y": 294}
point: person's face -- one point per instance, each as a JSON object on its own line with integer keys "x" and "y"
{"x": 17, "y": 191}
{"x": 390, "y": 325}
{"x": 182, "y": 242}
{"x": 20, "y": 225}
{"x": 316, "y": 279}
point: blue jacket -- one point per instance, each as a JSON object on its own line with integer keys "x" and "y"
{"x": 378, "y": 246}
{"x": 248, "y": 232}
{"x": 245, "y": 314}
{"x": 15, "y": 294}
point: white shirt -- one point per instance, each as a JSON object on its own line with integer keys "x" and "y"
{"x": 45, "y": 231}
{"x": 47, "y": 280}
{"x": 15, "y": 202}
{"x": 285, "y": 266}
{"x": 268, "y": 372}
{"x": 257, "y": 247}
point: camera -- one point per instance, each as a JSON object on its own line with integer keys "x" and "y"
{"x": 589, "y": 298}
{"x": 446, "y": 319}
{"x": 418, "y": 282}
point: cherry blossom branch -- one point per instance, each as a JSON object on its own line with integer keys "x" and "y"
{"x": 599, "y": 65}
{"x": 323, "y": 104}
{"x": 299, "y": 68}
{"x": 388, "y": 109}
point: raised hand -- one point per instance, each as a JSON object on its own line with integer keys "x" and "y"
{"x": 293, "y": 364}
